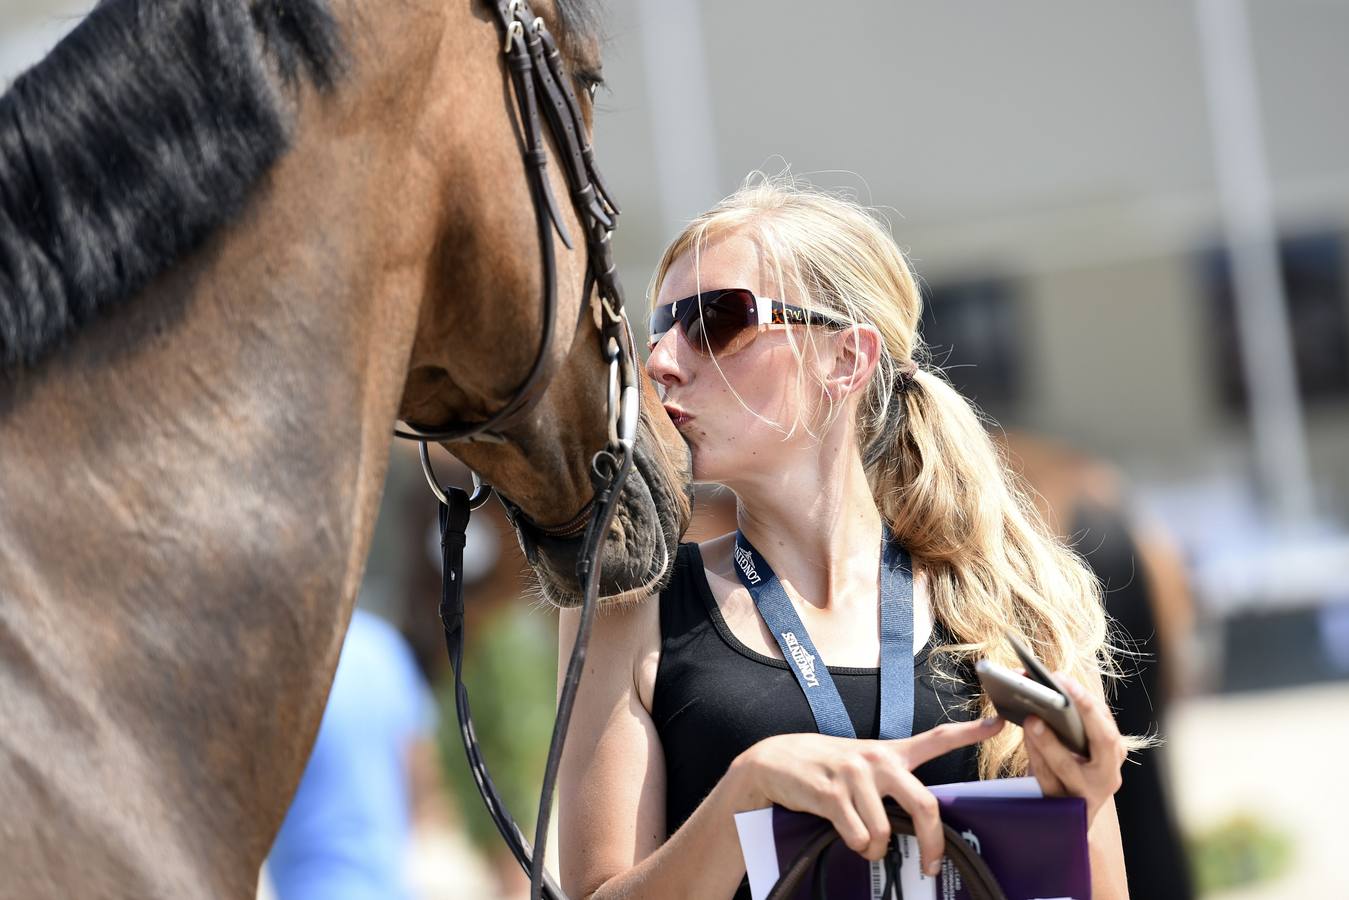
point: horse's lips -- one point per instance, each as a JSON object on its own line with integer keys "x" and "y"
{"x": 629, "y": 565}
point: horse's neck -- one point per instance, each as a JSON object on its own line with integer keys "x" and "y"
{"x": 186, "y": 499}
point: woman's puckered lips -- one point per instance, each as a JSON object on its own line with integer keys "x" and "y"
{"x": 677, "y": 415}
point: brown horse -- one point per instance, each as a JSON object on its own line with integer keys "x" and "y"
{"x": 238, "y": 240}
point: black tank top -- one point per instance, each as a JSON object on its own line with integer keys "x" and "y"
{"x": 714, "y": 697}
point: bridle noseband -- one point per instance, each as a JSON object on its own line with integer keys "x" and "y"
{"x": 536, "y": 69}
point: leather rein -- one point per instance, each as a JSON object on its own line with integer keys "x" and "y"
{"x": 541, "y": 84}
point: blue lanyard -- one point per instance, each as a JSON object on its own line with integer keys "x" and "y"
{"x": 896, "y": 614}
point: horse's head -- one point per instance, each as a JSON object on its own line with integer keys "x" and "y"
{"x": 237, "y": 240}
{"x": 483, "y": 316}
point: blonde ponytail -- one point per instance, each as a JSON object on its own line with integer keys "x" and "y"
{"x": 991, "y": 562}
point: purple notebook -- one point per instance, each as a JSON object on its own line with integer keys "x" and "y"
{"x": 1036, "y": 846}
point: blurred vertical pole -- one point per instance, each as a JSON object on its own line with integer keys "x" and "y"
{"x": 1262, "y": 310}
{"x": 683, "y": 130}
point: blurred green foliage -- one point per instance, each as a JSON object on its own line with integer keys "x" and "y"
{"x": 510, "y": 667}
{"x": 1239, "y": 851}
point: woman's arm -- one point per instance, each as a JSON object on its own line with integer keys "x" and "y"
{"x": 1108, "y": 880}
{"x": 1062, "y": 773}
{"x": 611, "y": 829}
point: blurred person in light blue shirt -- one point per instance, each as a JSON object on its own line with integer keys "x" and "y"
{"x": 346, "y": 835}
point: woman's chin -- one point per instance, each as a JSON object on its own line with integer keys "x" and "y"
{"x": 703, "y": 473}
{"x": 716, "y": 462}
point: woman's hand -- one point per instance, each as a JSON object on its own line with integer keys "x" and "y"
{"x": 1060, "y": 771}
{"x": 844, "y": 780}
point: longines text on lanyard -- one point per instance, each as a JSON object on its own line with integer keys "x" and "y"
{"x": 896, "y": 615}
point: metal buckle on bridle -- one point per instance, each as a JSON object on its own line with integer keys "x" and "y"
{"x": 515, "y": 30}
{"x": 481, "y": 492}
{"x": 624, "y": 401}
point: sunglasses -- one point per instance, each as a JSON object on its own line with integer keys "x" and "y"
{"x": 727, "y": 321}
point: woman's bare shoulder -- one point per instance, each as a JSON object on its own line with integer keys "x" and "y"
{"x": 635, "y": 625}
{"x": 621, "y": 628}
{"x": 624, "y": 640}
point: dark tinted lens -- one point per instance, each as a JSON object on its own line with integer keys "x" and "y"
{"x": 716, "y": 322}
{"x": 725, "y": 323}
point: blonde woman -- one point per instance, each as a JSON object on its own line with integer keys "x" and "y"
{"x": 877, "y": 529}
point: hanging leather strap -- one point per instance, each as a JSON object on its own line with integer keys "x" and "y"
{"x": 976, "y": 878}
{"x": 453, "y": 518}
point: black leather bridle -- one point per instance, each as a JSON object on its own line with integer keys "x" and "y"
{"x": 541, "y": 83}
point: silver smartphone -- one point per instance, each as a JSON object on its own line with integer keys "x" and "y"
{"x": 1016, "y": 696}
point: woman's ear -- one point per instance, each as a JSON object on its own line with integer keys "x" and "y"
{"x": 857, "y": 350}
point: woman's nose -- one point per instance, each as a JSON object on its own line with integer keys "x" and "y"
{"x": 663, "y": 365}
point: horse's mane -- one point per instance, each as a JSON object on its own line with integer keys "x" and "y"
{"x": 139, "y": 135}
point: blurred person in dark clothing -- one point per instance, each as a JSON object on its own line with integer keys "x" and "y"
{"x": 1147, "y": 596}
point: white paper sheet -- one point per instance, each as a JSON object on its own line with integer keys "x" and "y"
{"x": 761, "y": 853}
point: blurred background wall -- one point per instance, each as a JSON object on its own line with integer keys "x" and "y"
{"x": 1067, "y": 179}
